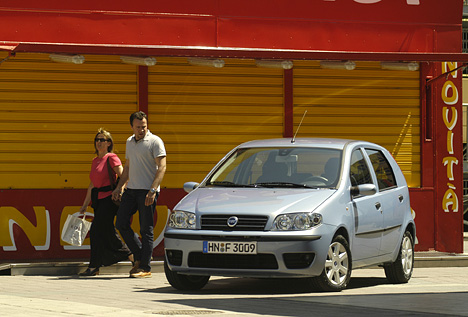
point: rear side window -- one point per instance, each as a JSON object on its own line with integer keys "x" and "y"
{"x": 359, "y": 171}
{"x": 382, "y": 168}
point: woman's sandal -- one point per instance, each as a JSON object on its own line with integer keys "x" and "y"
{"x": 90, "y": 272}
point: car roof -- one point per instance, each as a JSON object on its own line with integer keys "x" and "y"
{"x": 301, "y": 142}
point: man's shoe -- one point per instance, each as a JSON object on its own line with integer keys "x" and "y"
{"x": 141, "y": 273}
{"x": 136, "y": 266}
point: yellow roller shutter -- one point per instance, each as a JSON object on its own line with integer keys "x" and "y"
{"x": 202, "y": 112}
{"x": 50, "y": 112}
{"x": 367, "y": 103}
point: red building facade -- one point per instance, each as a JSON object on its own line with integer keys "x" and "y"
{"x": 370, "y": 32}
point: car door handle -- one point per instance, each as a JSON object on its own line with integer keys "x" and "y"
{"x": 400, "y": 198}
{"x": 377, "y": 206}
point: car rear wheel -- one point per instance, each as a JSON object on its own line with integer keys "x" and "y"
{"x": 337, "y": 271}
{"x": 185, "y": 282}
{"x": 401, "y": 270}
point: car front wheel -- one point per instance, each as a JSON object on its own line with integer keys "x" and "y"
{"x": 185, "y": 282}
{"x": 338, "y": 266}
{"x": 401, "y": 270}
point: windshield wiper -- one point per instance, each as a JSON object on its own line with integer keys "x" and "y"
{"x": 228, "y": 184}
{"x": 284, "y": 184}
{"x": 269, "y": 184}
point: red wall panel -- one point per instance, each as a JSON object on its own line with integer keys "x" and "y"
{"x": 327, "y": 35}
{"x": 422, "y": 203}
{"x": 141, "y": 6}
{"x": 347, "y": 25}
{"x": 401, "y": 11}
{"x": 105, "y": 29}
{"x": 448, "y": 158}
{"x": 31, "y": 222}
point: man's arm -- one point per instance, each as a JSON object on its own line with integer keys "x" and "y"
{"x": 117, "y": 193}
{"x": 161, "y": 164}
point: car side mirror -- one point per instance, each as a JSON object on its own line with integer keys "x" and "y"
{"x": 364, "y": 190}
{"x": 189, "y": 186}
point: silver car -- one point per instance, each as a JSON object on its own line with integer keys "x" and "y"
{"x": 305, "y": 208}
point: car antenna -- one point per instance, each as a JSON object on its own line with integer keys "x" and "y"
{"x": 294, "y": 137}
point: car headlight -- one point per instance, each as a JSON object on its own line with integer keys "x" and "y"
{"x": 298, "y": 221}
{"x": 182, "y": 220}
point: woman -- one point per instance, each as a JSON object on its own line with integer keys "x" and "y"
{"x": 106, "y": 246}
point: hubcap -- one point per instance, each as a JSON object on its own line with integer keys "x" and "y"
{"x": 407, "y": 255}
{"x": 336, "y": 265}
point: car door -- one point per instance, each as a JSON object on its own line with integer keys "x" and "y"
{"x": 368, "y": 220}
{"x": 393, "y": 198}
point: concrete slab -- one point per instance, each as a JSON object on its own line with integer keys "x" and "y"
{"x": 430, "y": 292}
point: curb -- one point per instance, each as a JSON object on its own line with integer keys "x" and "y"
{"x": 435, "y": 259}
{"x": 421, "y": 260}
{"x": 69, "y": 268}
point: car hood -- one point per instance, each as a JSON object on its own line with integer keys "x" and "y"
{"x": 253, "y": 200}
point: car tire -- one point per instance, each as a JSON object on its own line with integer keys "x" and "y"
{"x": 400, "y": 271}
{"x": 185, "y": 282}
{"x": 338, "y": 266}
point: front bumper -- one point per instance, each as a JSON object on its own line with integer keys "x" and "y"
{"x": 279, "y": 254}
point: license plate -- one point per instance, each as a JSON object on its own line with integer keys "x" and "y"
{"x": 230, "y": 247}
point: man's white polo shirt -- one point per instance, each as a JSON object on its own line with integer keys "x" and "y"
{"x": 142, "y": 156}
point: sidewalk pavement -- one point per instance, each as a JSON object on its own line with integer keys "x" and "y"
{"x": 430, "y": 292}
{"x": 54, "y": 289}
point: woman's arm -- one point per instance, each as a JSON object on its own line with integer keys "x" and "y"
{"x": 118, "y": 170}
{"x": 87, "y": 199}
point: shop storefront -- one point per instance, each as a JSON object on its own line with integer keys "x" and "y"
{"x": 394, "y": 79}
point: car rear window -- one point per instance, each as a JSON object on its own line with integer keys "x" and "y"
{"x": 359, "y": 171}
{"x": 382, "y": 168}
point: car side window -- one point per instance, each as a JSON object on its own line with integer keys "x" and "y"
{"x": 359, "y": 171}
{"x": 382, "y": 168}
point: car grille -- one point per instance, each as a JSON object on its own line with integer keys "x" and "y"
{"x": 245, "y": 223}
{"x": 232, "y": 261}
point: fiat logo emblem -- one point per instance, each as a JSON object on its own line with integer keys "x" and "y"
{"x": 232, "y": 221}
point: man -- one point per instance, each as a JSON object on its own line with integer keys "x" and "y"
{"x": 144, "y": 170}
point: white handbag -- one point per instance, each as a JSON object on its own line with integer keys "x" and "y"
{"x": 75, "y": 230}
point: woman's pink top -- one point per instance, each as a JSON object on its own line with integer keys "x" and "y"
{"x": 99, "y": 174}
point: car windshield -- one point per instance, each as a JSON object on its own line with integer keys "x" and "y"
{"x": 279, "y": 167}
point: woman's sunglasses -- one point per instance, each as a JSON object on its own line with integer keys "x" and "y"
{"x": 100, "y": 140}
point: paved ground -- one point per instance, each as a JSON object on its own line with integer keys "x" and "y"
{"x": 439, "y": 287}
{"x": 431, "y": 292}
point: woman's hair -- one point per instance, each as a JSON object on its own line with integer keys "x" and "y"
{"x": 108, "y": 136}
